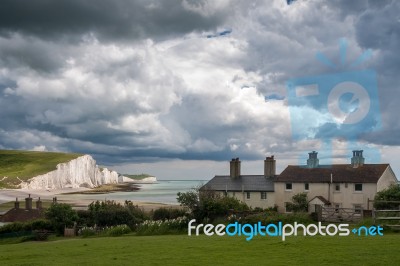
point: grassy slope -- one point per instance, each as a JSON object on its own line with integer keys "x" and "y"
{"x": 203, "y": 250}
{"x": 27, "y": 164}
{"x": 138, "y": 177}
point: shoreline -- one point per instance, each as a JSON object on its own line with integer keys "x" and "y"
{"x": 109, "y": 188}
{"x": 45, "y": 195}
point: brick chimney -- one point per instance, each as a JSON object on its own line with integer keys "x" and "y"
{"x": 28, "y": 202}
{"x": 313, "y": 161}
{"x": 39, "y": 204}
{"x": 357, "y": 159}
{"x": 235, "y": 168}
{"x": 269, "y": 166}
{"x": 16, "y": 204}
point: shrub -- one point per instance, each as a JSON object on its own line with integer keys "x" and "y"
{"x": 299, "y": 203}
{"x": 212, "y": 208}
{"x": 40, "y": 224}
{"x": 31, "y": 230}
{"x": 61, "y": 215}
{"x": 189, "y": 199}
{"x": 208, "y": 205}
{"x": 38, "y": 230}
{"x": 12, "y": 227}
{"x": 391, "y": 193}
{"x": 87, "y": 231}
{"x": 119, "y": 230}
{"x": 110, "y": 213}
{"x": 171, "y": 226}
{"x": 164, "y": 213}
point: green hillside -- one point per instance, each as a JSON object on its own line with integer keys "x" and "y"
{"x": 27, "y": 164}
{"x": 138, "y": 177}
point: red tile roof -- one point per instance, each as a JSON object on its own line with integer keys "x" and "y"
{"x": 341, "y": 173}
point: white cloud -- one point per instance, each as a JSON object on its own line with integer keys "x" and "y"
{"x": 166, "y": 90}
{"x": 39, "y": 148}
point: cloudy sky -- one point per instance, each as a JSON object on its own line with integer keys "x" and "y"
{"x": 177, "y": 88}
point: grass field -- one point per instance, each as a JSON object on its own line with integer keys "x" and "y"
{"x": 203, "y": 250}
{"x": 27, "y": 164}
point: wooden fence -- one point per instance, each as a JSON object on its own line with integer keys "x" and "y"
{"x": 336, "y": 215}
{"x": 390, "y": 216}
{"x": 69, "y": 232}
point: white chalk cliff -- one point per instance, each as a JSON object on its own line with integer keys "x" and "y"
{"x": 80, "y": 172}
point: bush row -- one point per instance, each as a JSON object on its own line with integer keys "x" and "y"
{"x": 117, "y": 230}
{"x": 40, "y": 224}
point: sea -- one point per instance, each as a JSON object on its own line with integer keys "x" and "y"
{"x": 164, "y": 191}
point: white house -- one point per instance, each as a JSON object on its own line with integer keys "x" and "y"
{"x": 254, "y": 190}
{"x": 339, "y": 185}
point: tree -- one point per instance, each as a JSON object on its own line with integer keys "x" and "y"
{"x": 208, "y": 204}
{"x": 189, "y": 199}
{"x": 299, "y": 203}
{"x": 109, "y": 213}
{"x": 61, "y": 215}
{"x": 391, "y": 193}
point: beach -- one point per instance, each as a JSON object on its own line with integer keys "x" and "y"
{"x": 146, "y": 196}
{"x": 9, "y": 195}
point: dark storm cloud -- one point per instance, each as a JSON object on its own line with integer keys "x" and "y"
{"x": 107, "y": 20}
{"x": 139, "y": 81}
{"x": 33, "y": 53}
{"x": 378, "y": 28}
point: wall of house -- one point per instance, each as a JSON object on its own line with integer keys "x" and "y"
{"x": 255, "y": 198}
{"x": 388, "y": 178}
{"x": 346, "y": 197}
{"x": 282, "y": 195}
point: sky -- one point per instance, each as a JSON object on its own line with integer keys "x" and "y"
{"x": 177, "y": 88}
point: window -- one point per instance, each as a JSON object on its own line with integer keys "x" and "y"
{"x": 288, "y": 186}
{"x": 263, "y": 195}
{"x": 357, "y": 208}
{"x": 337, "y": 187}
{"x": 358, "y": 187}
{"x": 247, "y": 195}
{"x": 306, "y": 187}
{"x": 233, "y": 193}
{"x": 225, "y": 193}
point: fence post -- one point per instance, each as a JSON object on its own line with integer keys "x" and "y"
{"x": 318, "y": 210}
{"x": 373, "y": 215}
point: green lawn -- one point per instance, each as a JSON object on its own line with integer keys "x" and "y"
{"x": 27, "y": 164}
{"x": 203, "y": 250}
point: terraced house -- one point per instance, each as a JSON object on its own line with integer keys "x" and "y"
{"x": 338, "y": 185}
